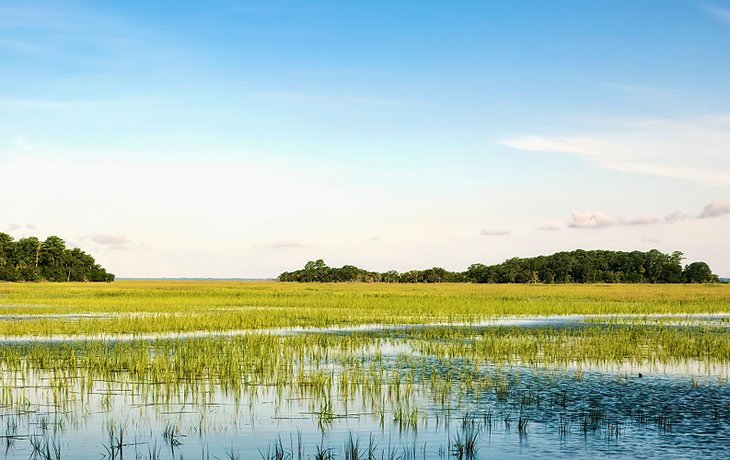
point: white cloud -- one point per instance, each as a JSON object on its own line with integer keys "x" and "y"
{"x": 716, "y": 209}
{"x": 596, "y": 220}
{"x": 590, "y": 220}
{"x": 693, "y": 149}
{"x": 495, "y": 232}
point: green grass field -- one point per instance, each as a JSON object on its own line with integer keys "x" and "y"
{"x": 184, "y": 306}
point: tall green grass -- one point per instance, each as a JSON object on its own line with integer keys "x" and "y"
{"x": 178, "y": 306}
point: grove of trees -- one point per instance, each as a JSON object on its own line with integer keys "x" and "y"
{"x": 30, "y": 259}
{"x": 577, "y": 266}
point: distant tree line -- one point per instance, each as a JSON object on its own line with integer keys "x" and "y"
{"x": 577, "y": 266}
{"x": 30, "y": 259}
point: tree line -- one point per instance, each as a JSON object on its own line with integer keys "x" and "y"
{"x": 579, "y": 266}
{"x": 30, "y": 259}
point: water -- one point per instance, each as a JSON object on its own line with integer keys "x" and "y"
{"x": 564, "y": 321}
{"x": 381, "y": 394}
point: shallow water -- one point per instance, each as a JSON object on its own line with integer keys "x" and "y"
{"x": 566, "y": 321}
{"x": 411, "y": 405}
{"x": 599, "y": 413}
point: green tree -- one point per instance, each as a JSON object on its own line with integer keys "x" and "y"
{"x": 52, "y": 259}
{"x": 315, "y": 265}
{"x": 30, "y": 260}
{"x": 698, "y": 272}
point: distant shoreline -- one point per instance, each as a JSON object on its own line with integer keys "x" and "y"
{"x": 194, "y": 279}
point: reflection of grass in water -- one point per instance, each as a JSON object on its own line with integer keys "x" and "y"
{"x": 116, "y": 444}
{"x": 217, "y": 305}
{"x": 466, "y": 442}
{"x": 45, "y": 448}
{"x": 352, "y": 449}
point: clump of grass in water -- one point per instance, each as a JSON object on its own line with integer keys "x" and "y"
{"x": 563, "y": 426}
{"x": 323, "y": 453}
{"x": 664, "y": 422}
{"x": 465, "y": 444}
{"x": 233, "y": 455}
{"x": 276, "y": 450}
{"x": 522, "y": 424}
{"x": 352, "y": 449}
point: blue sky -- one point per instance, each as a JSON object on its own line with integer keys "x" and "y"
{"x": 230, "y": 138}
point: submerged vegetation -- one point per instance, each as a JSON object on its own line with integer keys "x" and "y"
{"x": 30, "y": 259}
{"x": 577, "y": 266}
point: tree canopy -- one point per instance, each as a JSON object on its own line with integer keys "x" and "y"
{"x": 30, "y": 259}
{"x": 579, "y": 266}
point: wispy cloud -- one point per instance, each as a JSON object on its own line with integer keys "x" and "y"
{"x": 104, "y": 239}
{"x": 25, "y": 146}
{"x": 487, "y": 232}
{"x": 14, "y": 227}
{"x": 693, "y": 149}
{"x": 642, "y": 220}
{"x": 590, "y": 220}
{"x": 33, "y": 103}
{"x": 550, "y": 228}
{"x": 647, "y": 90}
{"x": 63, "y": 19}
{"x": 598, "y": 220}
{"x": 79, "y": 35}
{"x": 326, "y": 99}
{"x": 108, "y": 241}
{"x": 284, "y": 244}
{"x": 721, "y": 13}
{"x": 676, "y": 216}
{"x": 716, "y": 209}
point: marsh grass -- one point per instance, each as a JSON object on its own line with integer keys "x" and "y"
{"x": 408, "y": 378}
{"x": 137, "y": 307}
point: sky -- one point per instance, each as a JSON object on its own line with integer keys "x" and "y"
{"x": 244, "y": 138}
